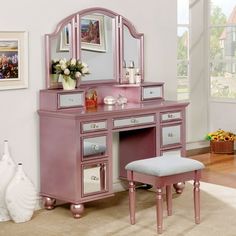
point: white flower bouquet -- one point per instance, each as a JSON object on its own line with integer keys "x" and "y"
{"x": 72, "y": 68}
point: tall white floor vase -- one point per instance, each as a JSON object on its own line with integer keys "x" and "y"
{"x": 7, "y": 171}
{"x": 21, "y": 197}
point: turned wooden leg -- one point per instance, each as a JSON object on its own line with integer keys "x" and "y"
{"x": 179, "y": 187}
{"x": 132, "y": 202}
{"x": 196, "y": 194}
{"x": 159, "y": 209}
{"x": 49, "y": 203}
{"x": 77, "y": 210}
{"x": 169, "y": 200}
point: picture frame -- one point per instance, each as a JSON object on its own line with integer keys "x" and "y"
{"x": 65, "y": 38}
{"x": 13, "y": 60}
{"x": 93, "y": 36}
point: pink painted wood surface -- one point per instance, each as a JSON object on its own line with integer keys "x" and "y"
{"x": 159, "y": 183}
{"x": 61, "y": 157}
{"x": 159, "y": 209}
{"x": 135, "y": 145}
{"x": 169, "y": 199}
{"x": 196, "y": 194}
{"x": 132, "y": 202}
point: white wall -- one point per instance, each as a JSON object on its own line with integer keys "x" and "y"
{"x": 19, "y": 120}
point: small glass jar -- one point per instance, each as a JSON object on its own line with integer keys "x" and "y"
{"x": 91, "y": 98}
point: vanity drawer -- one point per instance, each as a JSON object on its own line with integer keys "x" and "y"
{"x": 152, "y": 92}
{"x": 68, "y": 100}
{"x": 134, "y": 121}
{"x": 94, "y": 147}
{"x": 169, "y": 116}
{"x": 94, "y": 126}
{"x": 171, "y": 134}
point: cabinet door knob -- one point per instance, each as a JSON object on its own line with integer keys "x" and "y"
{"x": 134, "y": 121}
{"x": 170, "y": 135}
{"x": 93, "y": 126}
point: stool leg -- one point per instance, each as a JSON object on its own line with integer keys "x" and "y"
{"x": 169, "y": 200}
{"x": 196, "y": 194}
{"x": 132, "y": 202}
{"x": 159, "y": 206}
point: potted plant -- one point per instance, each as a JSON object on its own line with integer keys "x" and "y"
{"x": 70, "y": 71}
{"x": 221, "y": 141}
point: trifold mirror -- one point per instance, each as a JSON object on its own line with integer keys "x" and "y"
{"x": 107, "y": 42}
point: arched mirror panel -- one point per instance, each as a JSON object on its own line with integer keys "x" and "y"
{"x": 131, "y": 52}
{"x": 98, "y": 45}
{"x": 59, "y": 45}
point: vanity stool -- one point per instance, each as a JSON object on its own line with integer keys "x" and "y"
{"x": 162, "y": 172}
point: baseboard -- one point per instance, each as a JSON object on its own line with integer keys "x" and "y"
{"x": 197, "y": 151}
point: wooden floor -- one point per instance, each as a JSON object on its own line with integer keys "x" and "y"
{"x": 220, "y": 168}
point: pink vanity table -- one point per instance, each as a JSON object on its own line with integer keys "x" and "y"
{"x": 76, "y": 143}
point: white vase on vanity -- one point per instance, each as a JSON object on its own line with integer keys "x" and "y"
{"x": 7, "y": 171}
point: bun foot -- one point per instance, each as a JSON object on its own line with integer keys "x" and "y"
{"x": 77, "y": 210}
{"x": 49, "y": 203}
{"x": 179, "y": 187}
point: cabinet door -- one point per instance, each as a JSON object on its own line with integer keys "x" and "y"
{"x": 171, "y": 134}
{"x": 94, "y": 178}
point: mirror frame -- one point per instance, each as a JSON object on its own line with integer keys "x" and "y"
{"x": 75, "y": 50}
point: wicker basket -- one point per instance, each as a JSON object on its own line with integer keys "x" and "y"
{"x": 224, "y": 147}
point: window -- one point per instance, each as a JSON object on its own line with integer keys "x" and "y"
{"x": 222, "y": 48}
{"x": 183, "y": 49}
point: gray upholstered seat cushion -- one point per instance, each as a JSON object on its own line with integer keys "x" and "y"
{"x": 164, "y": 165}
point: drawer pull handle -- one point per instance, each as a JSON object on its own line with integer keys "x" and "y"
{"x": 151, "y": 92}
{"x": 93, "y": 177}
{"x": 170, "y": 135}
{"x": 94, "y": 126}
{"x": 170, "y": 115}
{"x": 95, "y": 147}
{"x": 134, "y": 121}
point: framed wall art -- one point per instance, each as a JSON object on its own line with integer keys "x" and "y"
{"x": 13, "y": 60}
{"x": 93, "y": 33}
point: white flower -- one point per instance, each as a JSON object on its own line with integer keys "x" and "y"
{"x": 85, "y": 70}
{"x": 62, "y": 61}
{"x": 63, "y": 66}
{"x": 77, "y": 74}
{"x": 66, "y": 71}
{"x": 73, "y": 61}
{"x": 84, "y": 64}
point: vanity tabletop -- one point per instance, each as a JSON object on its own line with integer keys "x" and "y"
{"x": 116, "y": 109}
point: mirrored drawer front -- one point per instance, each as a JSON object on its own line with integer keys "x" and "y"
{"x": 171, "y": 116}
{"x": 171, "y": 135}
{"x": 95, "y": 178}
{"x": 70, "y": 100}
{"x": 94, "y": 126}
{"x": 152, "y": 92}
{"x": 132, "y": 121}
{"x": 95, "y": 146}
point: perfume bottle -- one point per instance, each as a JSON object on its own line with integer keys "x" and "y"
{"x": 91, "y": 98}
{"x": 131, "y": 70}
{"x": 125, "y": 74}
{"x": 138, "y": 76}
